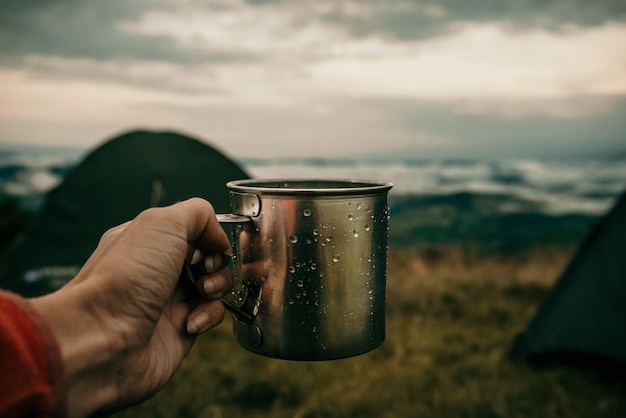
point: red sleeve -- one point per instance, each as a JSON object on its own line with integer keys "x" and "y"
{"x": 32, "y": 381}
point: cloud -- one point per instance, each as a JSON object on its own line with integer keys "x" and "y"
{"x": 257, "y": 55}
{"x": 406, "y": 20}
{"x": 530, "y": 135}
{"x": 486, "y": 66}
{"x": 89, "y": 29}
{"x": 317, "y": 77}
{"x": 191, "y": 32}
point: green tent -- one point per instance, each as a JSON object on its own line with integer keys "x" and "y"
{"x": 583, "y": 319}
{"x": 110, "y": 186}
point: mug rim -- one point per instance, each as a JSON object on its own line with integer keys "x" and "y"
{"x": 309, "y": 186}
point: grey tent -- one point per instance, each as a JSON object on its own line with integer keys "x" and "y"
{"x": 583, "y": 319}
{"x": 110, "y": 186}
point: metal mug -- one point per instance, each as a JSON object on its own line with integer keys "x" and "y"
{"x": 310, "y": 266}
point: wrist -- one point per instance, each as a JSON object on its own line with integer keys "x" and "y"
{"x": 85, "y": 347}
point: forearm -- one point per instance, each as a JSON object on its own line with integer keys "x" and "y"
{"x": 85, "y": 348}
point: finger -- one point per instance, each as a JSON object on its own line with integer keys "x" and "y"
{"x": 196, "y": 256}
{"x": 216, "y": 285}
{"x": 202, "y": 226}
{"x": 209, "y": 263}
{"x": 201, "y": 263}
{"x": 176, "y": 316}
{"x": 178, "y": 312}
{"x": 204, "y": 317}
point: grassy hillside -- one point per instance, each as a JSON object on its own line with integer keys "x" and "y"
{"x": 478, "y": 224}
{"x": 450, "y": 321}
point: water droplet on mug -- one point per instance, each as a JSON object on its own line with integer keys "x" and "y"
{"x": 300, "y": 283}
{"x": 293, "y": 239}
{"x": 313, "y": 266}
{"x": 292, "y": 269}
{"x": 316, "y": 232}
{"x": 238, "y": 294}
{"x": 350, "y": 217}
{"x": 291, "y": 302}
{"x": 367, "y": 227}
{"x": 336, "y": 258}
{"x": 359, "y": 206}
{"x": 306, "y": 212}
{"x": 355, "y": 233}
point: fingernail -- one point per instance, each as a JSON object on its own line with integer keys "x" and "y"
{"x": 198, "y": 322}
{"x": 209, "y": 286}
{"x": 197, "y": 255}
{"x": 209, "y": 263}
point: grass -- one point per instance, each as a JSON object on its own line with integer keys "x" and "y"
{"x": 450, "y": 322}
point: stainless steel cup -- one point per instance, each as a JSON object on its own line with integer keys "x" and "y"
{"x": 310, "y": 267}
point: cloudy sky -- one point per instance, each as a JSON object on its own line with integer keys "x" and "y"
{"x": 450, "y": 78}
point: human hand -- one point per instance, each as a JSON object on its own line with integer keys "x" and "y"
{"x": 126, "y": 322}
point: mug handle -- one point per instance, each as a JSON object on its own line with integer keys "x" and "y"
{"x": 231, "y": 218}
{"x": 223, "y": 218}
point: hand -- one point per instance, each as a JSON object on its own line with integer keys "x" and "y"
{"x": 126, "y": 322}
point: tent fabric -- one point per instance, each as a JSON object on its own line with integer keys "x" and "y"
{"x": 583, "y": 318}
{"x": 113, "y": 184}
